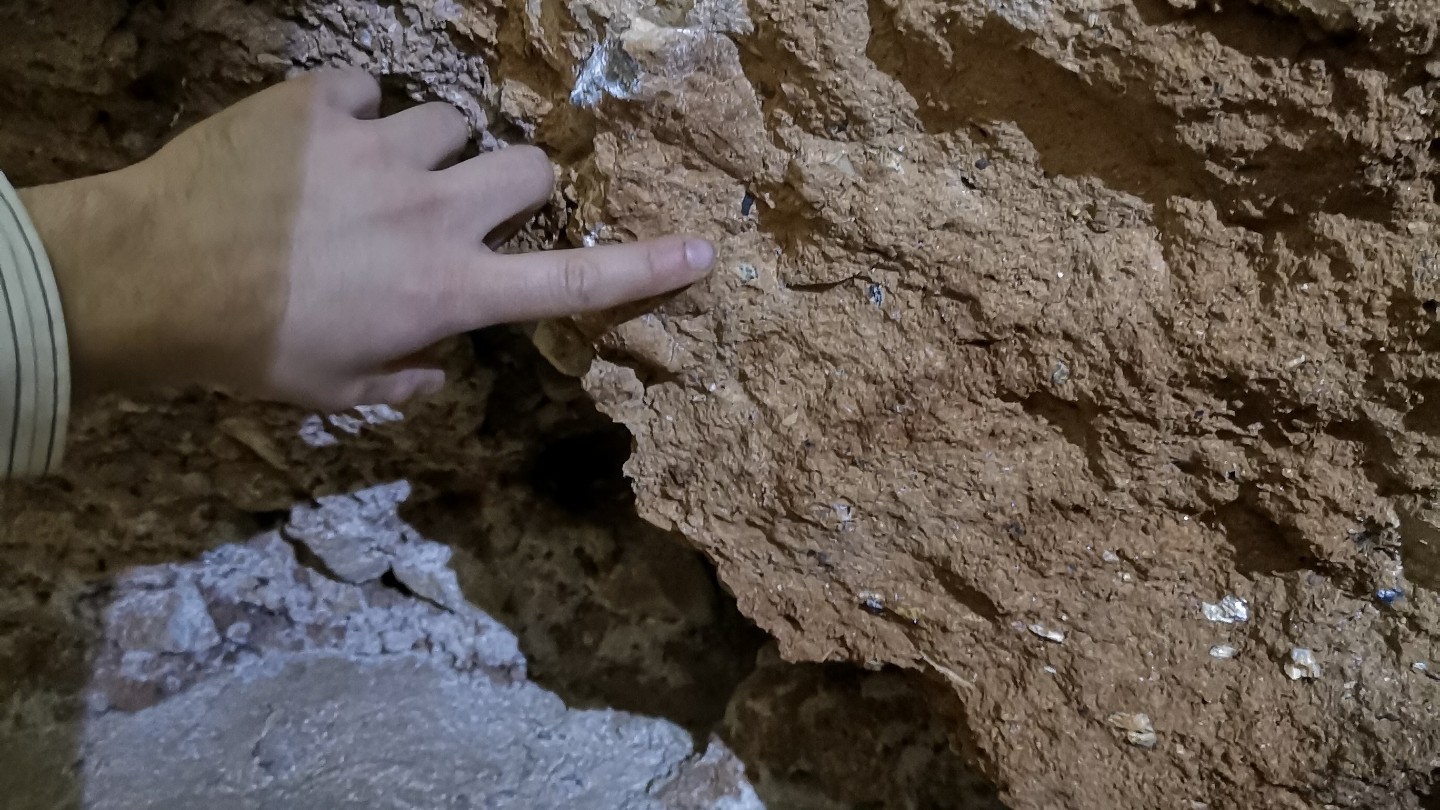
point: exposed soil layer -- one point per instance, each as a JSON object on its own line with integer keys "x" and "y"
{"x": 1041, "y": 328}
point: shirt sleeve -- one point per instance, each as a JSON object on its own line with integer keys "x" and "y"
{"x": 34, "y": 353}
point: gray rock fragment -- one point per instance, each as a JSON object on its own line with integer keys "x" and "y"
{"x": 1229, "y": 610}
{"x": 1302, "y": 665}
{"x": 174, "y": 620}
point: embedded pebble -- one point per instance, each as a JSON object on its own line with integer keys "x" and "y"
{"x": 1139, "y": 731}
{"x": 872, "y": 602}
{"x": 1223, "y": 651}
{"x": 1302, "y": 664}
{"x": 1229, "y": 610}
{"x": 1057, "y": 636}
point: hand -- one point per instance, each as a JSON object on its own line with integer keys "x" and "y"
{"x": 297, "y": 247}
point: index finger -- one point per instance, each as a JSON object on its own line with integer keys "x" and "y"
{"x": 553, "y": 284}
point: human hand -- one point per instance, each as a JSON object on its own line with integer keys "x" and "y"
{"x": 296, "y": 247}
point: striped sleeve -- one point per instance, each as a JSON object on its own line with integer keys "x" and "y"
{"x": 34, "y": 355}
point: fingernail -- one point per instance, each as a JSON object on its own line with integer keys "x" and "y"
{"x": 699, "y": 254}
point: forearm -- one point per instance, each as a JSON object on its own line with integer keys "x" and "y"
{"x": 34, "y": 351}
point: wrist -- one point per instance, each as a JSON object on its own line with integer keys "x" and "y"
{"x": 92, "y": 230}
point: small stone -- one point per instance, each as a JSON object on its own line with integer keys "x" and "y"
{"x": 397, "y": 641}
{"x": 876, "y": 294}
{"x": 254, "y": 437}
{"x": 379, "y": 414}
{"x": 1230, "y": 610}
{"x": 1060, "y": 374}
{"x": 1302, "y": 664}
{"x": 424, "y": 568}
{"x": 176, "y": 620}
{"x": 238, "y": 633}
{"x": 1057, "y": 636}
{"x": 1389, "y": 596}
{"x": 872, "y": 602}
{"x": 354, "y": 535}
{"x": 1137, "y": 727}
{"x": 314, "y": 434}
{"x": 1223, "y": 651}
{"x": 747, "y": 273}
{"x": 346, "y": 422}
{"x": 607, "y": 71}
{"x": 843, "y": 163}
{"x": 1109, "y": 556}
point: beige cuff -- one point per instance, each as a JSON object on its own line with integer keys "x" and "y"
{"x": 34, "y": 354}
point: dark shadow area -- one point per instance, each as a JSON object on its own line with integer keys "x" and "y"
{"x": 1424, "y": 416}
{"x": 610, "y": 610}
{"x": 1430, "y": 799}
{"x": 1248, "y": 28}
{"x": 1261, "y": 546}
{"x": 864, "y": 739}
{"x": 1420, "y": 543}
{"x": 1079, "y": 129}
{"x": 1120, "y": 135}
{"x": 1079, "y": 422}
{"x": 516, "y": 472}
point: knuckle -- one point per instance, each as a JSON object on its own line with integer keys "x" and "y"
{"x": 536, "y": 165}
{"x": 328, "y": 78}
{"x": 348, "y": 82}
{"x": 446, "y": 118}
{"x": 534, "y": 159}
{"x": 452, "y": 116}
{"x": 431, "y": 203}
{"x": 655, "y": 263}
{"x": 578, "y": 276}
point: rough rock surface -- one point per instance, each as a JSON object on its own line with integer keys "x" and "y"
{"x": 1042, "y": 327}
{"x": 315, "y": 692}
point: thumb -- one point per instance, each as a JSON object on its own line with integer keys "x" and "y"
{"x": 554, "y": 284}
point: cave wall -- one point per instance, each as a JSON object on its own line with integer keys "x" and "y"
{"x": 1039, "y": 330}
